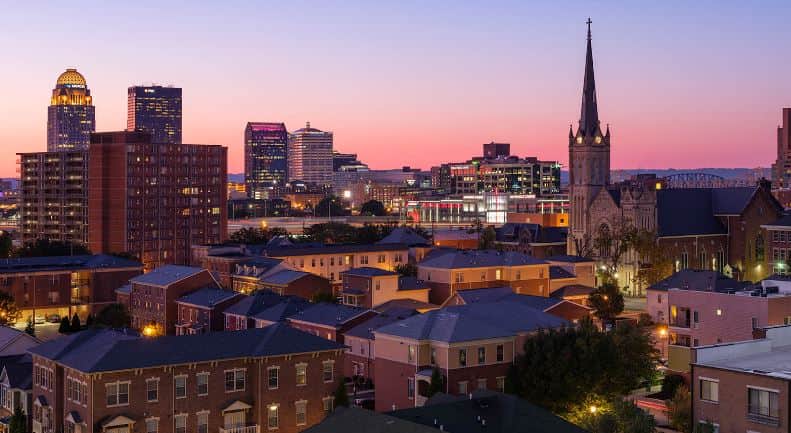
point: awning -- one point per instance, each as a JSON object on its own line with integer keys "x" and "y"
{"x": 118, "y": 421}
{"x": 236, "y": 406}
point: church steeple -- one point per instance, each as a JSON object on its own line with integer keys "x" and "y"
{"x": 589, "y": 114}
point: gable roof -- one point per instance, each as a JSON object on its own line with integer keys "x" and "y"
{"x": 285, "y": 277}
{"x": 731, "y": 200}
{"x": 455, "y": 259}
{"x": 568, "y": 259}
{"x": 9, "y": 336}
{"x": 283, "y": 310}
{"x": 327, "y": 314}
{"x": 207, "y": 297}
{"x": 365, "y": 329}
{"x": 18, "y": 370}
{"x": 167, "y": 274}
{"x": 686, "y": 211}
{"x": 353, "y": 419}
{"x": 367, "y": 271}
{"x": 558, "y": 272}
{"x": 313, "y": 249}
{"x": 699, "y": 280}
{"x": 503, "y": 414}
{"x": 404, "y": 235}
{"x": 255, "y": 303}
{"x": 572, "y": 290}
{"x": 99, "y": 350}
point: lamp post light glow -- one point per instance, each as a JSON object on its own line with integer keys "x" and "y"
{"x": 593, "y": 409}
{"x": 150, "y": 331}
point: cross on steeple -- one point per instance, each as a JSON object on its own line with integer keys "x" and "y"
{"x": 589, "y": 22}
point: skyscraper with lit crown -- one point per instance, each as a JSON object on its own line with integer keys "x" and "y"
{"x": 71, "y": 116}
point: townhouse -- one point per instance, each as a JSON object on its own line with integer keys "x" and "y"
{"x": 261, "y": 309}
{"x": 16, "y": 388}
{"x": 370, "y": 287}
{"x": 289, "y": 282}
{"x": 201, "y": 311}
{"x": 472, "y": 346}
{"x": 268, "y": 379}
{"x": 330, "y": 321}
{"x": 247, "y": 275}
{"x": 559, "y": 307}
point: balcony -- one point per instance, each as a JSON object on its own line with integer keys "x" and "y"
{"x": 245, "y": 429}
{"x": 763, "y": 419}
{"x": 679, "y": 322}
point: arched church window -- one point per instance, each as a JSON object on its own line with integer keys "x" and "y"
{"x": 759, "y": 248}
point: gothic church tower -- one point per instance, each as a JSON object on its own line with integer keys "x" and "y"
{"x": 589, "y": 158}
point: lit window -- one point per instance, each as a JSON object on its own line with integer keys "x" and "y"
{"x": 302, "y": 374}
{"x": 302, "y": 412}
{"x": 181, "y": 386}
{"x": 272, "y": 417}
{"x": 709, "y": 390}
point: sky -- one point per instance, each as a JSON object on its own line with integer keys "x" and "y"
{"x": 682, "y": 84}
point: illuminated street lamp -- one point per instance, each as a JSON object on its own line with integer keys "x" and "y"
{"x": 150, "y": 331}
{"x": 593, "y": 409}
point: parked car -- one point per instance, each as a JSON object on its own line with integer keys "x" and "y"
{"x": 53, "y": 318}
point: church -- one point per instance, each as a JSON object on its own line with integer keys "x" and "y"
{"x": 697, "y": 228}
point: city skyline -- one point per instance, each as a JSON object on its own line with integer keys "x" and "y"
{"x": 452, "y": 108}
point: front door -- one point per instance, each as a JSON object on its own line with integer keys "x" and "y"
{"x": 234, "y": 419}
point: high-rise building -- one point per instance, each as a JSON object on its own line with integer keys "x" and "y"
{"x": 157, "y": 110}
{"x": 265, "y": 158}
{"x": 155, "y": 200}
{"x": 781, "y": 169}
{"x": 493, "y": 150}
{"x": 71, "y": 116}
{"x": 310, "y": 156}
{"x": 53, "y": 196}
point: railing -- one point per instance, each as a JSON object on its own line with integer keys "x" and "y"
{"x": 245, "y": 429}
{"x": 679, "y": 323}
{"x": 763, "y": 419}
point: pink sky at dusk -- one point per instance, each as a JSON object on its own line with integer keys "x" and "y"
{"x": 682, "y": 85}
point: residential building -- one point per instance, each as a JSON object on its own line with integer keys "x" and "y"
{"x": 273, "y": 378}
{"x": 248, "y": 274}
{"x": 155, "y": 200}
{"x": 778, "y": 240}
{"x": 261, "y": 309}
{"x": 330, "y": 260}
{"x": 418, "y": 245}
{"x": 15, "y": 342}
{"x": 532, "y": 239}
{"x": 296, "y": 283}
{"x": 329, "y": 321}
{"x": 310, "y": 156}
{"x": 743, "y": 386}
{"x": 265, "y": 158}
{"x": 449, "y": 271}
{"x": 65, "y": 285}
{"x": 781, "y": 169}
{"x": 360, "y": 356}
{"x": 352, "y": 418}
{"x": 370, "y": 287}
{"x": 583, "y": 268}
{"x": 16, "y": 388}
{"x": 567, "y": 310}
{"x": 472, "y": 346}
{"x": 53, "y": 196}
{"x": 201, "y": 311}
{"x": 156, "y": 110}
{"x": 71, "y": 117}
{"x": 153, "y": 295}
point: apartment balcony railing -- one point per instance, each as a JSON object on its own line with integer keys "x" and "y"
{"x": 679, "y": 323}
{"x": 764, "y": 419}
{"x": 245, "y": 429}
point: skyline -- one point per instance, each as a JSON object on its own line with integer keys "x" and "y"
{"x": 472, "y": 88}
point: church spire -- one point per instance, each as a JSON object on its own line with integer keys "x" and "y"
{"x": 589, "y": 114}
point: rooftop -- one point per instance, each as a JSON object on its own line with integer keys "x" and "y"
{"x": 311, "y": 249}
{"x": 58, "y": 263}
{"x": 167, "y": 274}
{"x": 406, "y": 236}
{"x": 208, "y": 297}
{"x": 353, "y": 419}
{"x": 369, "y": 272}
{"x": 328, "y": 314}
{"x": 365, "y": 329}
{"x": 101, "y": 350}
{"x": 568, "y": 259}
{"x": 699, "y": 280}
{"x": 558, "y": 272}
{"x": 284, "y": 277}
{"x": 455, "y": 259}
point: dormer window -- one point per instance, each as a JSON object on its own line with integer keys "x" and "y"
{"x": 597, "y": 140}
{"x": 579, "y": 139}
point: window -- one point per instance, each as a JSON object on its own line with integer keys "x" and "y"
{"x": 234, "y": 380}
{"x": 709, "y": 390}
{"x": 181, "y": 386}
{"x": 302, "y": 374}
{"x": 117, "y": 393}
{"x": 363, "y": 260}
{"x": 517, "y": 277}
{"x": 328, "y": 371}
{"x": 152, "y": 425}
{"x": 433, "y": 356}
{"x": 152, "y": 390}
{"x": 272, "y": 417}
{"x": 410, "y": 387}
{"x": 463, "y": 357}
{"x": 203, "y": 383}
{"x": 381, "y": 258}
{"x": 501, "y": 384}
{"x": 659, "y": 299}
{"x": 482, "y": 384}
{"x": 483, "y": 276}
{"x": 762, "y": 403}
{"x": 203, "y": 422}
{"x": 463, "y": 387}
{"x": 302, "y": 412}
{"x": 754, "y": 322}
{"x": 328, "y": 403}
{"x": 410, "y": 353}
{"x": 500, "y": 353}
{"x": 481, "y": 355}
{"x": 459, "y": 277}
{"x": 181, "y": 423}
{"x": 695, "y": 316}
{"x": 273, "y": 374}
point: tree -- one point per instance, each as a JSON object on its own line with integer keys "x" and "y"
{"x": 656, "y": 263}
{"x": 6, "y": 245}
{"x": 341, "y": 397}
{"x": 9, "y": 312}
{"x": 618, "y": 416}
{"x": 407, "y": 270}
{"x": 46, "y": 247}
{"x": 113, "y": 316}
{"x": 437, "y": 382}
{"x": 332, "y": 232}
{"x": 320, "y": 297}
{"x": 89, "y": 321}
{"x": 613, "y": 241}
{"x": 513, "y": 383}
{"x": 254, "y": 235}
{"x": 330, "y": 206}
{"x": 75, "y": 323}
{"x": 607, "y": 302}
{"x": 18, "y": 422}
{"x": 583, "y": 246}
{"x": 30, "y": 328}
{"x": 65, "y": 325}
{"x": 486, "y": 238}
{"x": 680, "y": 410}
{"x": 373, "y": 208}
{"x": 371, "y": 233}
{"x": 704, "y": 427}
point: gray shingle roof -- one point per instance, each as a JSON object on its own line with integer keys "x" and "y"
{"x": 506, "y": 294}
{"x": 699, "y": 280}
{"x": 285, "y": 309}
{"x": 328, "y": 314}
{"x": 284, "y": 277}
{"x": 366, "y": 271}
{"x": 167, "y": 274}
{"x": 106, "y": 350}
{"x": 255, "y": 303}
{"x": 557, "y": 272}
{"x": 783, "y": 221}
{"x": 306, "y": 250}
{"x": 733, "y": 200}
{"x": 365, "y": 329}
{"x": 572, "y": 290}
{"x": 208, "y": 297}
{"x": 568, "y": 259}
{"x": 96, "y": 261}
{"x": 126, "y": 289}
{"x": 19, "y": 370}
{"x": 454, "y": 259}
{"x": 359, "y": 420}
{"x": 406, "y": 236}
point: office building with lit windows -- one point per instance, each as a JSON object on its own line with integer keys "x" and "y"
{"x": 71, "y": 116}
{"x": 310, "y": 155}
{"x": 265, "y": 158}
{"x": 155, "y": 200}
{"x": 156, "y": 110}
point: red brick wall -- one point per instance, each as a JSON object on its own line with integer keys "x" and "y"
{"x": 391, "y": 388}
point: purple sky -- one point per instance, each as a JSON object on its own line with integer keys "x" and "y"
{"x": 682, "y": 84}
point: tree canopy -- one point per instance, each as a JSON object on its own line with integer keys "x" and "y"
{"x": 113, "y": 316}
{"x": 373, "y": 208}
{"x": 9, "y": 311}
{"x": 254, "y": 235}
{"x": 330, "y": 205}
{"x": 340, "y": 233}
{"x": 607, "y": 302}
{"x": 46, "y": 247}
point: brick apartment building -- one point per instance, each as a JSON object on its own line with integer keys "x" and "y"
{"x": 329, "y": 321}
{"x": 274, "y": 378}
{"x": 201, "y": 311}
{"x": 571, "y": 311}
{"x": 64, "y": 285}
{"x": 288, "y": 282}
{"x": 262, "y": 308}
{"x": 778, "y": 241}
{"x": 370, "y": 287}
{"x": 449, "y": 271}
{"x": 744, "y": 386}
{"x": 246, "y": 275}
{"x": 16, "y": 388}
{"x": 472, "y": 345}
{"x": 153, "y": 295}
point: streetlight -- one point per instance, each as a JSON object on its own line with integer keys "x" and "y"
{"x": 593, "y": 409}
